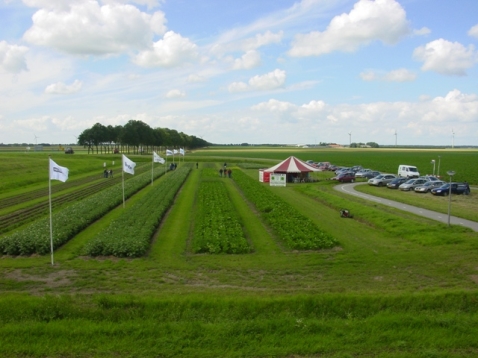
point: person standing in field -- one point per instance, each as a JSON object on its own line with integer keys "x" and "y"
{"x": 229, "y": 171}
{"x": 220, "y": 172}
{"x": 197, "y": 165}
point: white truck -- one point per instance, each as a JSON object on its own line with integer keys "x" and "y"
{"x": 408, "y": 171}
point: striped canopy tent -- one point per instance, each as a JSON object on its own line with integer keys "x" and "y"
{"x": 292, "y": 165}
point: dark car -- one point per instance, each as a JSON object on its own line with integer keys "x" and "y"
{"x": 347, "y": 177}
{"x": 444, "y": 190}
{"x": 395, "y": 183}
{"x": 370, "y": 175}
{"x": 69, "y": 150}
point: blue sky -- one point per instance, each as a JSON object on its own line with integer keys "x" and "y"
{"x": 281, "y": 71}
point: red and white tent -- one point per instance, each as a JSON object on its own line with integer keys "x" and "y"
{"x": 292, "y": 165}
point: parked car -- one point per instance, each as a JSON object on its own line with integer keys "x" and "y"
{"x": 345, "y": 177}
{"x": 408, "y": 171}
{"x": 371, "y": 175}
{"x": 381, "y": 180}
{"x": 444, "y": 190}
{"x": 69, "y": 150}
{"x": 361, "y": 172}
{"x": 429, "y": 185}
{"x": 410, "y": 184}
{"x": 395, "y": 183}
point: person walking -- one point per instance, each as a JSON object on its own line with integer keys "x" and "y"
{"x": 197, "y": 165}
{"x": 220, "y": 172}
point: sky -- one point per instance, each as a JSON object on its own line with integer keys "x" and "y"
{"x": 272, "y": 71}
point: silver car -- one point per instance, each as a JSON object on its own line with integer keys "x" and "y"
{"x": 382, "y": 179}
{"x": 429, "y": 185}
{"x": 412, "y": 183}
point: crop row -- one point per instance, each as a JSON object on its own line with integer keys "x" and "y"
{"x": 217, "y": 228}
{"x": 130, "y": 234}
{"x": 35, "y": 238}
{"x": 294, "y": 229}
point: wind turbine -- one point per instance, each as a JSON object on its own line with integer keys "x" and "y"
{"x": 350, "y": 139}
{"x": 395, "y": 137}
{"x": 452, "y": 139}
{"x": 36, "y": 139}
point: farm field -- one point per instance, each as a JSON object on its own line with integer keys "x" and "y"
{"x": 389, "y": 284}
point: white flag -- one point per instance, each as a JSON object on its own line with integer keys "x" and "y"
{"x": 181, "y": 151}
{"x": 128, "y": 165}
{"x": 157, "y": 158}
{"x": 175, "y": 151}
{"x": 169, "y": 152}
{"x": 57, "y": 172}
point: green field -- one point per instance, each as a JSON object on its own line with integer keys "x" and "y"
{"x": 392, "y": 285}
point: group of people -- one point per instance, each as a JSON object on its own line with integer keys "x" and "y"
{"x": 225, "y": 172}
{"x": 108, "y": 173}
{"x": 173, "y": 166}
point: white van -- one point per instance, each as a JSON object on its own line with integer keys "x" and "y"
{"x": 408, "y": 171}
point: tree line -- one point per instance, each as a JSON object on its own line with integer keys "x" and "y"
{"x": 136, "y": 137}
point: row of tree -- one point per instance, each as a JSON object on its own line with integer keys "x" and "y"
{"x": 135, "y": 136}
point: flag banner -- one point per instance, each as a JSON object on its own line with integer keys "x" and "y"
{"x": 57, "y": 172}
{"x": 157, "y": 158}
{"x": 128, "y": 165}
{"x": 169, "y": 152}
{"x": 181, "y": 151}
{"x": 175, "y": 151}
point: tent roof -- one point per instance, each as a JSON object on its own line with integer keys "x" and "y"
{"x": 292, "y": 165}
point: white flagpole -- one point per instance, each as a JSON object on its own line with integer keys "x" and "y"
{"x": 122, "y": 175}
{"x": 51, "y": 221}
{"x": 152, "y": 166}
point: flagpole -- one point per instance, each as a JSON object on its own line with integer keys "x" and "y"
{"x": 51, "y": 221}
{"x": 152, "y": 166}
{"x": 122, "y": 176}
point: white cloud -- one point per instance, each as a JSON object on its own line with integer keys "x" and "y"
{"x": 383, "y": 20}
{"x": 269, "y": 81}
{"x": 238, "y": 87}
{"x": 196, "y": 78}
{"x": 249, "y": 60}
{"x": 474, "y": 31}
{"x": 230, "y": 44}
{"x": 12, "y": 57}
{"x": 399, "y": 75}
{"x": 86, "y": 28}
{"x": 61, "y": 88}
{"x": 445, "y": 57}
{"x": 421, "y": 32}
{"x": 455, "y": 108}
{"x": 175, "y": 93}
{"x": 274, "y": 105}
{"x": 172, "y": 50}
